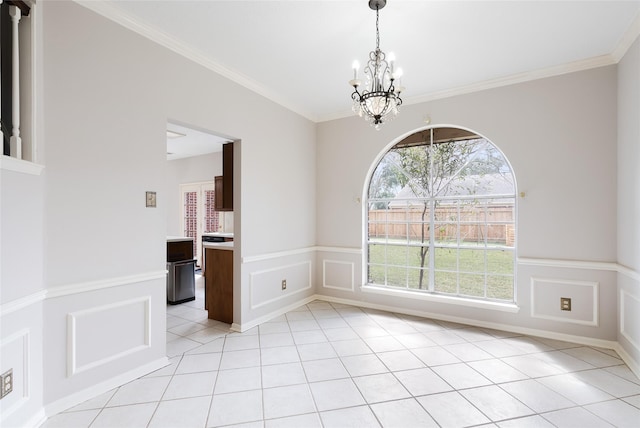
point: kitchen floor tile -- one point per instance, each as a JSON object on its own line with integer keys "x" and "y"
{"x": 235, "y": 408}
{"x": 380, "y": 387}
{"x": 282, "y": 375}
{"x": 235, "y": 380}
{"x": 403, "y": 413}
{"x": 326, "y": 369}
{"x": 310, "y": 420}
{"x": 362, "y": 365}
{"x": 616, "y": 412}
{"x": 336, "y": 394}
{"x": 69, "y": 419}
{"x": 593, "y": 357}
{"x": 351, "y": 347}
{"x": 279, "y": 355}
{"x": 335, "y": 334}
{"x": 190, "y": 385}
{"x": 360, "y": 416}
{"x": 536, "y": 396}
{"x": 496, "y": 403}
{"x": 534, "y": 421}
{"x": 400, "y": 360}
{"x": 435, "y": 356}
{"x": 287, "y": 401}
{"x": 238, "y": 342}
{"x": 609, "y": 383}
{"x": 136, "y": 415}
{"x": 461, "y": 376}
{"x": 497, "y": 371}
{"x": 143, "y": 390}
{"x": 575, "y": 389}
{"x": 273, "y": 340}
{"x": 185, "y": 413}
{"x": 422, "y": 381}
{"x": 240, "y": 359}
{"x": 575, "y": 417}
{"x": 450, "y": 409}
{"x": 199, "y": 363}
{"x": 316, "y": 351}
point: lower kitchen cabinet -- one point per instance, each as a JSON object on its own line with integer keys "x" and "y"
{"x": 218, "y": 282}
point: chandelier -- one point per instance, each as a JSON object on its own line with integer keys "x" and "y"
{"x": 380, "y": 99}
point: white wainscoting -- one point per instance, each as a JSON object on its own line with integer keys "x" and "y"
{"x": 15, "y": 351}
{"x": 265, "y": 286}
{"x": 630, "y": 318}
{"x": 338, "y": 275}
{"x": 546, "y": 294}
{"x": 102, "y": 334}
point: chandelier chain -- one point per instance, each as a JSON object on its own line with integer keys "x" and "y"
{"x": 377, "y": 28}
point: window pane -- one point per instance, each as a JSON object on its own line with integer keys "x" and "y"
{"x": 500, "y": 261}
{"x": 500, "y": 287}
{"x": 376, "y": 274}
{"x": 471, "y": 260}
{"x": 377, "y": 254}
{"x": 446, "y": 282}
{"x": 418, "y": 279}
{"x": 397, "y": 276}
{"x": 471, "y": 284}
{"x": 446, "y": 258}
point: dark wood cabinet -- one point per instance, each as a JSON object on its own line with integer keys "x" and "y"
{"x": 218, "y": 282}
{"x": 224, "y": 184}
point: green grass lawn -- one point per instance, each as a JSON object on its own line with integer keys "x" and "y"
{"x": 461, "y": 272}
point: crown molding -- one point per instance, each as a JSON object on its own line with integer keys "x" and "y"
{"x": 629, "y": 37}
{"x": 120, "y": 17}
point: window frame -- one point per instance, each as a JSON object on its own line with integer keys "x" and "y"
{"x": 430, "y": 292}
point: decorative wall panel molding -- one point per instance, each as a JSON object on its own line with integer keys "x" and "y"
{"x": 102, "y": 334}
{"x": 265, "y": 285}
{"x": 22, "y": 303}
{"x": 630, "y": 318}
{"x": 15, "y": 352}
{"x": 65, "y": 290}
{"x": 546, "y": 294}
{"x": 338, "y": 275}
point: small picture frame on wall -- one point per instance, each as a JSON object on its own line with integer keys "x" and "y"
{"x": 151, "y": 199}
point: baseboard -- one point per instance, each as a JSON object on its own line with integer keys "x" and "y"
{"x": 256, "y": 322}
{"x": 633, "y": 365}
{"x": 607, "y": 344}
{"x": 102, "y": 387}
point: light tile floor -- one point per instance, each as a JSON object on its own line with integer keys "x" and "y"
{"x": 332, "y": 365}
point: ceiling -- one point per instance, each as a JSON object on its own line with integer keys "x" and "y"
{"x": 184, "y": 142}
{"x": 299, "y": 52}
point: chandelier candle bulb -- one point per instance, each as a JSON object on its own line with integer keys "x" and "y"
{"x": 356, "y": 66}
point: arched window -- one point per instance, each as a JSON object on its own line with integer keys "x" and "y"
{"x": 441, "y": 217}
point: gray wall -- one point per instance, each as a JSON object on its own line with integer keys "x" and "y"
{"x": 628, "y": 175}
{"x": 559, "y": 134}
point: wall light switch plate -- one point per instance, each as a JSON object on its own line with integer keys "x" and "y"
{"x": 6, "y": 384}
{"x": 151, "y": 199}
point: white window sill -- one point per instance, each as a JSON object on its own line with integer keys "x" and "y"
{"x": 8, "y": 163}
{"x": 451, "y": 300}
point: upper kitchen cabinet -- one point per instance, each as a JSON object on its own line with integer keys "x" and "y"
{"x": 224, "y": 184}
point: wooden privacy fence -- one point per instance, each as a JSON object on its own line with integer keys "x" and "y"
{"x": 475, "y": 224}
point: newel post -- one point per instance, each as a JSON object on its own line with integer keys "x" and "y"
{"x": 15, "y": 140}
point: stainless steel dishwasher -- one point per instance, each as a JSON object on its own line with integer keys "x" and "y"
{"x": 181, "y": 266}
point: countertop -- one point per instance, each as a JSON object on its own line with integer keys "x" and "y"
{"x": 178, "y": 238}
{"x": 218, "y": 245}
{"x": 220, "y": 234}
